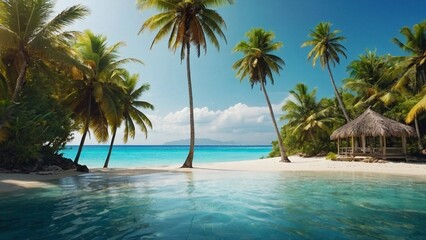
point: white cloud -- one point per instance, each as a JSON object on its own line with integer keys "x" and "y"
{"x": 239, "y": 123}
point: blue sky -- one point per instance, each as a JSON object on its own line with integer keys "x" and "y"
{"x": 225, "y": 108}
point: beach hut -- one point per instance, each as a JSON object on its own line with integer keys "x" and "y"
{"x": 371, "y": 125}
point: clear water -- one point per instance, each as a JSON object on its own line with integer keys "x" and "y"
{"x": 219, "y": 205}
{"x": 161, "y": 155}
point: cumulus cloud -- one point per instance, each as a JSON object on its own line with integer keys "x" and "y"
{"x": 239, "y": 123}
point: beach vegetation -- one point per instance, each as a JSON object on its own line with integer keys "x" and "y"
{"x": 29, "y": 36}
{"x": 391, "y": 85}
{"x": 259, "y": 64}
{"x": 37, "y": 128}
{"x": 412, "y": 78}
{"x": 331, "y": 156}
{"x": 308, "y": 122}
{"x": 35, "y": 50}
{"x": 186, "y": 22}
{"x": 95, "y": 87}
{"x": 371, "y": 79}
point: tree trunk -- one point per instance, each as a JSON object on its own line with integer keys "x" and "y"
{"x": 21, "y": 77}
{"x": 86, "y": 129}
{"x": 336, "y": 92}
{"x": 83, "y": 138}
{"x": 190, "y": 157}
{"x": 110, "y": 148}
{"x": 284, "y": 157}
{"x": 419, "y": 137}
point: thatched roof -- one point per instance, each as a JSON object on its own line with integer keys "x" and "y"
{"x": 373, "y": 124}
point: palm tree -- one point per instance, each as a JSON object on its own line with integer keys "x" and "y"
{"x": 418, "y": 108}
{"x": 94, "y": 99}
{"x": 413, "y": 67}
{"x": 258, "y": 64}
{"x": 28, "y": 36}
{"x": 326, "y": 46}
{"x": 129, "y": 104}
{"x": 371, "y": 79}
{"x": 188, "y": 22}
{"x": 306, "y": 117}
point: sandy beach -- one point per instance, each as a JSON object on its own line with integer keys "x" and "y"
{"x": 12, "y": 181}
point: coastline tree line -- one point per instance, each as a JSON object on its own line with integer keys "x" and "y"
{"x": 54, "y": 82}
{"x": 394, "y": 86}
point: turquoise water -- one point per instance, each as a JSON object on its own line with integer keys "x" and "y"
{"x": 219, "y": 205}
{"x": 161, "y": 155}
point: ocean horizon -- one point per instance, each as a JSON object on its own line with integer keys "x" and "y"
{"x": 130, "y": 156}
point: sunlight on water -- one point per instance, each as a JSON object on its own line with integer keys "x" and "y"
{"x": 219, "y": 205}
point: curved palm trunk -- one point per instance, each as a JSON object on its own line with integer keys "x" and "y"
{"x": 336, "y": 92}
{"x": 190, "y": 157}
{"x": 83, "y": 138}
{"x": 416, "y": 122}
{"x": 86, "y": 129}
{"x": 21, "y": 77}
{"x": 284, "y": 157}
{"x": 110, "y": 148}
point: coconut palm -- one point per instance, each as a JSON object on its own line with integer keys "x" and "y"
{"x": 94, "y": 99}
{"x": 28, "y": 36}
{"x": 258, "y": 64}
{"x": 186, "y": 22}
{"x": 371, "y": 79}
{"x": 130, "y": 113}
{"x": 326, "y": 47}
{"x": 307, "y": 117}
{"x": 418, "y": 108}
{"x": 413, "y": 67}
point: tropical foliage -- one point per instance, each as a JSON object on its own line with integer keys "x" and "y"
{"x": 94, "y": 97}
{"x": 370, "y": 79}
{"x": 27, "y": 37}
{"x": 54, "y": 82}
{"x": 186, "y": 22}
{"x": 309, "y": 122}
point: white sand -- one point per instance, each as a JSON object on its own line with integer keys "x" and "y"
{"x": 10, "y": 182}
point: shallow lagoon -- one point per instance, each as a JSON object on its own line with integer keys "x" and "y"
{"x": 125, "y": 156}
{"x": 219, "y": 205}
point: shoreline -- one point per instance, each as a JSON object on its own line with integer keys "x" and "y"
{"x": 13, "y": 181}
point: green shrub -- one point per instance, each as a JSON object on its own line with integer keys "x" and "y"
{"x": 331, "y": 156}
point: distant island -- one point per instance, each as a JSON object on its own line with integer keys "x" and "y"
{"x": 200, "y": 141}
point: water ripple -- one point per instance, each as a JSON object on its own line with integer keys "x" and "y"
{"x": 224, "y": 206}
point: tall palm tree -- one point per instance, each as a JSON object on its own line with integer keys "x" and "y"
{"x": 413, "y": 77}
{"x": 306, "y": 117}
{"x": 326, "y": 46}
{"x": 28, "y": 36}
{"x": 93, "y": 99}
{"x": 129, "y": 104}
{"x": 258, "y": 64}
{"x": 188, "y": 22}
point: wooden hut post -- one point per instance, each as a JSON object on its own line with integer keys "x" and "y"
{"x": 338, "y": 146}
{"x": 353, "y": 146}
{"x": 384, "y": 147}
{"x": 404, "y": 145}
{"x": 363, "y": 143}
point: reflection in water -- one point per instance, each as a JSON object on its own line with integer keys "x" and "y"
{"x": 228, "y": 205}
